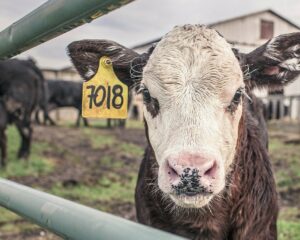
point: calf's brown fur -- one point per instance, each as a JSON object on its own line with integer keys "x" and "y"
{"x": 248, "y": 200}
{"x": 247, "y": 207}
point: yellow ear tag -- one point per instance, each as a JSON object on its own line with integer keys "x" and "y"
{"x": 104, "y": 96}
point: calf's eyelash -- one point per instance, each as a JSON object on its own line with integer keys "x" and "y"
{"x": 237, "y": 99}
{"x": 146, "y": 94}
{"x": 152, "y": 104}
{"x": 141, "y": 88}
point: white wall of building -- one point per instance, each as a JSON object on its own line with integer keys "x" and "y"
{"x": 63, "y": 74}
{"x": 247, "y": 29}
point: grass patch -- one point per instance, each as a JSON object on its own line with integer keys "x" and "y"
{"x": 7, "y": 216}
{"x": 97, "y": 140}
{"x": 98, "y": 123}
{"x": 107, "y": 189}
{"x": 289, "y": 214}
{"x": 288, "y": 230}
{"x": 131, "y": 149}
{"x": 12, "y": 223}
{"x": 102, "y": 123}
{"x": 35, "y": 165}
{"x": 24, "y": 226}
{"x": 285, "y": 160}
{"x": 108, "y": 161}
{"x": 135, "y": 124}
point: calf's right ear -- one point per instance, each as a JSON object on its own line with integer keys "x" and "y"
{"x": 127, "y": 64}
{"x": 274, "y": 64}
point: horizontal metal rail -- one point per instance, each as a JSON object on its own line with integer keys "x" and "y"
{"x": 52, "y": 19}
{"x": 71, "y": 220}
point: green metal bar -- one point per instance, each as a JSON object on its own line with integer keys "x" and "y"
{"x": 71, "y": 220}
{"x": 50, "y": 20}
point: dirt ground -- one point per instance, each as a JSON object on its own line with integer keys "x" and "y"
{"x": 80, "y": 159}
{"x": 77, "y": 162}
{"x": 75, "y": 144}
{"x": 284, "y": 151}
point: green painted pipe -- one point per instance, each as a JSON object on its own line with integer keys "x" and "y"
{"x": 51, "y": 20}
{"x": 70, "y": 220}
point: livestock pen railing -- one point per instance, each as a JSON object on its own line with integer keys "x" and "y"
{"x": 64, "y": 218}
{"x": 70, "y": 220}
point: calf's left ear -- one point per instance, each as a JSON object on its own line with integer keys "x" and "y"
{"x": 127, "y": 64}
{"x": 274, "y": 64}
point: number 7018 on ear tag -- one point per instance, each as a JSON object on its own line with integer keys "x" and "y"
{"x": 104, "y": 96}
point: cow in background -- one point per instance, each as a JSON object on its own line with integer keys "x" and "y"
{"x": 61, "y": 93}
{"x": 21, "y": 88}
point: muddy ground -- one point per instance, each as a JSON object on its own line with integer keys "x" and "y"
{"x": 74, "y": 144}
{"x": 77, "y": 161}
{"x": 83, "y": 156}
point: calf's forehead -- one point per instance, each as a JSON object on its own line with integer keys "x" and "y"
{"x": 192, "y": 55}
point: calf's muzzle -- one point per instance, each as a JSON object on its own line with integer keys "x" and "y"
{"x": 191, "y": 174}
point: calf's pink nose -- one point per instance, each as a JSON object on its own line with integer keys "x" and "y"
{"x": 206, "y": 168}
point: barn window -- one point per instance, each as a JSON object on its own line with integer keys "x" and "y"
{"x": 266, "y": 29}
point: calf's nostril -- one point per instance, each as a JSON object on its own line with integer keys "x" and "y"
{"x": 211, "y": 172}
{"x": 172, "y": 171}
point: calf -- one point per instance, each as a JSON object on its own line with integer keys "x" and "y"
{"x": 206, "y": 173}
{"x": 64, "y": 94}
{"x": 20, "y": 90}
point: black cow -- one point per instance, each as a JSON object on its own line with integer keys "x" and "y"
{"x": 21, "y": 87}
{"x": 61, "y": 93}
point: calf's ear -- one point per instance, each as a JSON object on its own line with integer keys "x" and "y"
{"x": 127, "y": 64}
{"x": 274, "y": 64}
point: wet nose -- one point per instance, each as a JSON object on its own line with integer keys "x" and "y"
{"x": 191, "y": 173}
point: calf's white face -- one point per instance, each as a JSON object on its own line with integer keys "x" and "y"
{"x": 193, "y": 75}
{"x": 193, "y": 86}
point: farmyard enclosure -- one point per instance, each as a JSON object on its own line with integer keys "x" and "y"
{"x": 56, "y": 167}
{"x": 98, "y": 166}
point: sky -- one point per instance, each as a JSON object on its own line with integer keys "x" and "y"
{"x": 139, "y": 21}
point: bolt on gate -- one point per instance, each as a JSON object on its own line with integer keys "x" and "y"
{"x": 67, "y": 219}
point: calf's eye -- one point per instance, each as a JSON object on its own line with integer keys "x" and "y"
{"x": 151, "y": 103}
{"x": 237, "y": 96}
{"x": 235, "y": 100}
{"x": 146, "y": 96}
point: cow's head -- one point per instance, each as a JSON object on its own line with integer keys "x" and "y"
{"x": 194, "y": 85}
